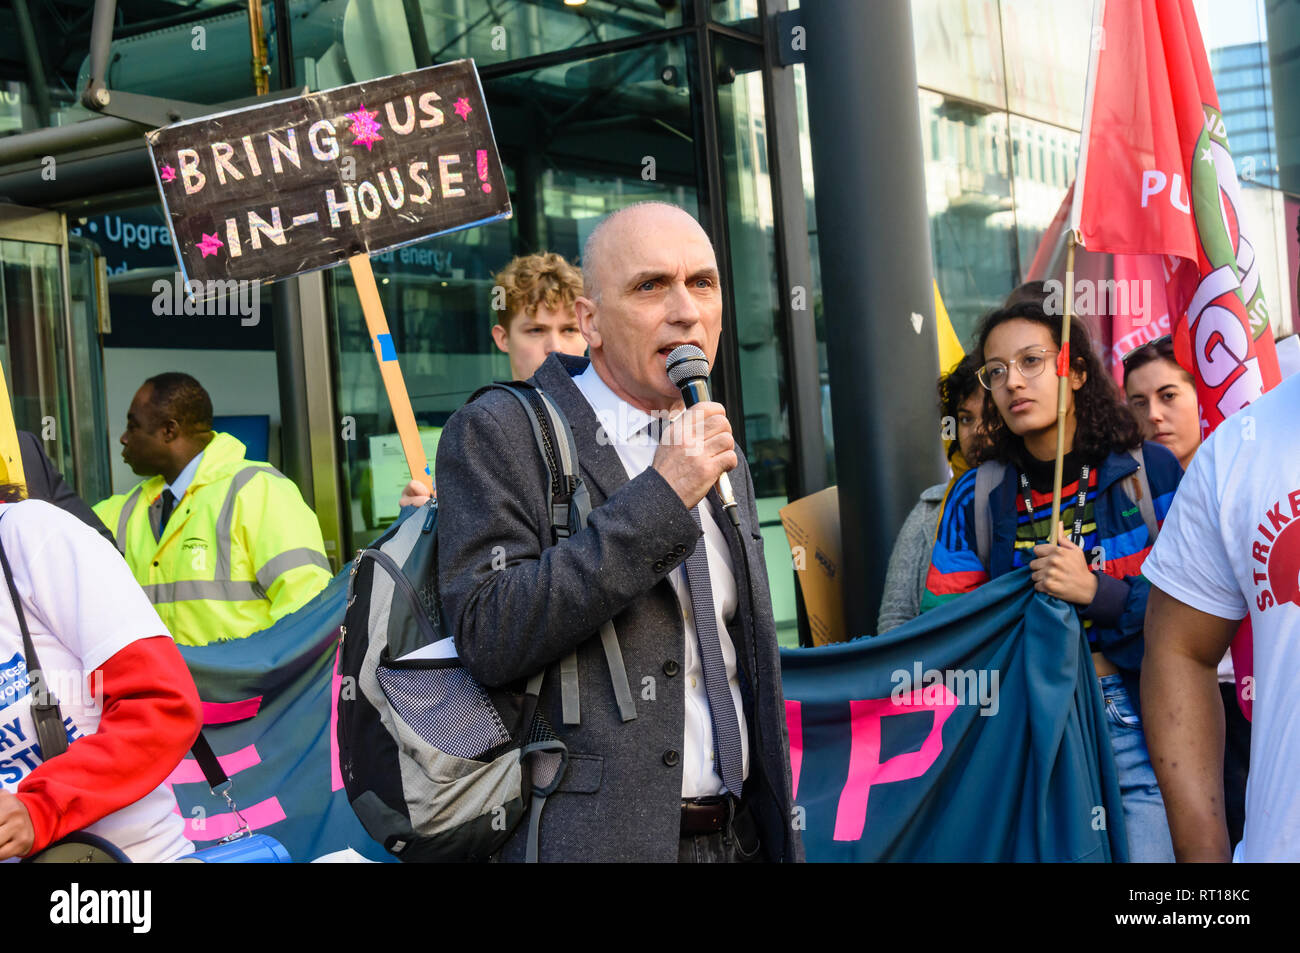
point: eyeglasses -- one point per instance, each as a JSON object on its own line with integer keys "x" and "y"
{"x": 1031, "y": 362}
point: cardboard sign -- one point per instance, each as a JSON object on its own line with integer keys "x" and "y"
{"x": 280, "y": 189}
{"x": 812, "y": 525}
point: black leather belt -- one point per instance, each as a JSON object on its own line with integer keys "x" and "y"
{"x": 707, "y": 815}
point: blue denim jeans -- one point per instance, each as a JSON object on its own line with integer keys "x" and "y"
{"x": 1144, "y": 808}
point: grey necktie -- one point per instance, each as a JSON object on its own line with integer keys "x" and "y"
{"x": 722, "y": 707}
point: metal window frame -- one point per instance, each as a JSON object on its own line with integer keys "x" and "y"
{"x": 793, "y": 264}
{"x": 316, "y": 318}
{"x": 711, "y": 199}
{"x": 48, "y": 227}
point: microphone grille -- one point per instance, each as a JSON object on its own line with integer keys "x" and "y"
{"x": 686, "y": 363}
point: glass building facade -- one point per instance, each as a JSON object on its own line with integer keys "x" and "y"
{"x": 595, "y": 106}
{"x": 1001, "y": 88}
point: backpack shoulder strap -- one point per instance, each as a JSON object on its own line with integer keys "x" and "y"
{"x": 987, "y": 476}
{"x": 1142, "y": 490}
{"x": 576, "y": 494}
{"x": 581, "y": 505}
{"x": 569, "y": 508}
{"x": 559, "y": 454}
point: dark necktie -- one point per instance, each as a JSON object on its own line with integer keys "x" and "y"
{"x": 722, "y": 707}
{"x": 168, "y": 504}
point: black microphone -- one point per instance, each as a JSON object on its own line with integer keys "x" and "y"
{"x": 688, "y": 369}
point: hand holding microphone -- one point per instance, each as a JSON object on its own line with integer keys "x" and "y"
{"x": 697, "y": 449}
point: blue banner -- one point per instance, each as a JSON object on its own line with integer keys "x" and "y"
{"x": 270, "y": 713}
{"x": 975, "y": 732}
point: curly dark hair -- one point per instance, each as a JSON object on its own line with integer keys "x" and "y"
{"x": 1104, "y": 425}
{"x": 1029, "y": 291}
{"x": 955, "y": 388}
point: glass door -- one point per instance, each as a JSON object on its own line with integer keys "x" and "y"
{"x": 50, "y": 350}
{"x": 87, "y": 320}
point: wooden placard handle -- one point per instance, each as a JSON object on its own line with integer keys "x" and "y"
{"x": 386, "y": 355}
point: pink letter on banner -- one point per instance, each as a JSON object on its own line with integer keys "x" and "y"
{"x": 336, "y": 776}
{"x": 216, "y": 826}
{"x": 222, "y": 713}
{"x": 865, "y": 768}
{"x": 189, "y": 772}
{"x": 794, "y": 724}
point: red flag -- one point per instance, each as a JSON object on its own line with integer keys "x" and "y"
{"x": 1156, "y": 178}
{"x": 1128, "y": 307}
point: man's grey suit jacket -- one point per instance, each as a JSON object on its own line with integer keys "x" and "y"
{"x": 620, "y": 799}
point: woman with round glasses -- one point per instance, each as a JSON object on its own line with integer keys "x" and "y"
{"x": 1097, "y": 565}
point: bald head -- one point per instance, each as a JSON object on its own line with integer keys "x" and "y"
{"x": 616, "y": 227}
{"x": 651, "y": 285}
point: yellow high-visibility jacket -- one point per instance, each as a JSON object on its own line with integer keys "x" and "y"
{"x": 241, "y": 549}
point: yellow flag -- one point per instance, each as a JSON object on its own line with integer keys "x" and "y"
{"x": 11, "y": 460}
{"x": 950, "y": 355}
{"x": 950, "y": 350}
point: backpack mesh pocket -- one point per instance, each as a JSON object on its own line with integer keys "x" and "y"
{"x": 445, "y": 707}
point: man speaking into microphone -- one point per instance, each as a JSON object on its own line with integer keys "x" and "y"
{"x": 687, "y": 759}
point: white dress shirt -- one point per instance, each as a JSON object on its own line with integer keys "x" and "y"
{"x": 185, "y": 477}
{"x": 635, "y": 439}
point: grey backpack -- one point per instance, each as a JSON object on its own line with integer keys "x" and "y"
{"x": 437, "y": 766}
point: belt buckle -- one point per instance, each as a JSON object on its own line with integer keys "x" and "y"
{"x": 708, "y": 815}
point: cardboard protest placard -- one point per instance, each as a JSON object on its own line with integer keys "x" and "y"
{"x": 276, "y": 190}
{"x": 812, "y": 525}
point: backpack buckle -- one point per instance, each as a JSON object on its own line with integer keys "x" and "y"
{"x": 560, "y": 520}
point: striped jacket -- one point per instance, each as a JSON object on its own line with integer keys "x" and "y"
{"x": 1117, "y": 611}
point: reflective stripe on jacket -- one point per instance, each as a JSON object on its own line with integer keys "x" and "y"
{"x": 241, "y": 549}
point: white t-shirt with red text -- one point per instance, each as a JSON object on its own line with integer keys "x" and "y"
{"x": 82, "y": 607}
{"x": 1231, "y": 545}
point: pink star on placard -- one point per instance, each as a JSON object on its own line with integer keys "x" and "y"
{"x": 168, "y": 173}
{"x": 209, "y": 245}
{"x": 463, "y": 108}
{"x": 365, "y": 127}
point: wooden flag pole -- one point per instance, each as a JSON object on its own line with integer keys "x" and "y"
{"x": 1062, "y": 386}
{"x": 386, "y": 354}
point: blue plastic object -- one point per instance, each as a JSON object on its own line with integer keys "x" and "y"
{"x": 253, "y": 849}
